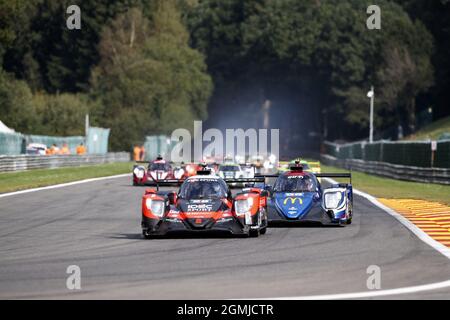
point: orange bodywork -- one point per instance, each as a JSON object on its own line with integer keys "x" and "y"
{"x": 258, "y": 200}
{"x": 150, "y": 194}
{"x": 258, "y": 203}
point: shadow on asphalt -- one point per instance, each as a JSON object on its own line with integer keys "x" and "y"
{"x": 135, "y": 236}
{"x": 302, "y": 225}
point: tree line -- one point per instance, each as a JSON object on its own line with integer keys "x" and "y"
{"x": 144, "y": 67}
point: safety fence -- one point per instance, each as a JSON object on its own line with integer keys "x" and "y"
{"x": 424, "y": 154}
{"x": 15, "y": 143}
{"x": 27, "y": 162}
{"x": 72, "y": 142}
{"x": 97, "y": 140}
{"x": 158, "y": 145}
{"x": 394, "y": 171}
{"x": 11, "y": 143}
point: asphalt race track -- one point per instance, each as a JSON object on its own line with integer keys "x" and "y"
{"x": 96, "y": 226}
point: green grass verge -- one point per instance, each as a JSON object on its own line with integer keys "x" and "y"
{"x": 395, "y": 189}
{"x": 13, "y": 181}
{"x": 432, "y": 131}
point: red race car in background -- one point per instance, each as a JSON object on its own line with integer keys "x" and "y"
{"x": 158, "y": 169}
{"x": 183, "y": 171}
{"x": 187, "y": 170}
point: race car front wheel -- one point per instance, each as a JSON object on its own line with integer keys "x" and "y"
{"x": 255, "y": 233}
{"x": 146, "y": 235}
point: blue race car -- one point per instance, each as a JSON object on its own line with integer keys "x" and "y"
{"x": 298, "y": 197}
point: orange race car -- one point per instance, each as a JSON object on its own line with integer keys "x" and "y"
{"x": 204, "y": 204}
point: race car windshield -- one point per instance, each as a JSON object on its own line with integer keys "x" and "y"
{"x": 159, "y": 166}
{"x": 203, "y": 188}
{"x": 295, "y": 184}
{"x": 229, "y": 168}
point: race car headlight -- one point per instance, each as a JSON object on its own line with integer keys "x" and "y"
{"x": 155, "y": 206}
{"x": 243, "y": 206}
{"x": 332, "y": 200}
{"x": 139, "y": 172}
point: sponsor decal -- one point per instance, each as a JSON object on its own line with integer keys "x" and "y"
{"x": 262, "y": 201}
{"x": 293, "y": 200}
{"x": 200, "y": 201}
{"x": 202, "y": 207}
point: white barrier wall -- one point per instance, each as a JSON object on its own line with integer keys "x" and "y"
{"x": 27, "y": 162}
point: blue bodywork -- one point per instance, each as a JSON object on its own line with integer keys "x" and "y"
{"x": 285, "y": 207}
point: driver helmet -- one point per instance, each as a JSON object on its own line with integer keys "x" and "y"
{"x": 309, "y": 185}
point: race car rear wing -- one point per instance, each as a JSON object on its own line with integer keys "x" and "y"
{"x": 267, "y": 175}
{"x": 166, "y": 182}
{"x": 149, "y": 161}
{"x": 318, "y": 175}
{"x": 244, "y": 180}
{"x": 334, "y": 175}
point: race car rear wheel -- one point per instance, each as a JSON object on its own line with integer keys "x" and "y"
{"x": 349, "y": 221}
{"x": 263, "y": 230}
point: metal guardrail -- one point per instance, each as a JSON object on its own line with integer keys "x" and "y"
{"x": 425, "y": 154}
{"x": 27, "y": 162}
{"x": 395, "y": 171}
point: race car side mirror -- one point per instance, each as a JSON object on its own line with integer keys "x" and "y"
{"x": 269, "y": 189}
{"x": 172, "y": 197}
{"x": 265, "y": 193}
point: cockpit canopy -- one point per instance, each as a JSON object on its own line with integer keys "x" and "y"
{"x": 160, "y": 166}
{"x": 295, "y": 183}
{"x": 203, "y": 188}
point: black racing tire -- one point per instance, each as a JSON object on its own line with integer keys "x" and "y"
{"x": 255, "y": 233}
{"x": 146, "y": 235}
{"x": 349, "y": 221}
{"x": 263, "y": 230}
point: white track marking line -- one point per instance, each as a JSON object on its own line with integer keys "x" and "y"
{"x": 62, "y": 185}
{"x": 370, "y": 294}
{"x": 417, "y": 231}
{"x": 422, "y": 235}
{"x": 444, "y": 250}
{"x": 389, "y": 292}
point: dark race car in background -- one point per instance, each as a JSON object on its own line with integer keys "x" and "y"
{"x": 204, "y": 204}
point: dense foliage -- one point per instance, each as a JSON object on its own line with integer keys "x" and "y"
{"x": 148, "y": 66}
{"x": 321, "y": 49}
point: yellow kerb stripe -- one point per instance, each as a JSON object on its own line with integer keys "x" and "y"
{"x": 432, "y": 217}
